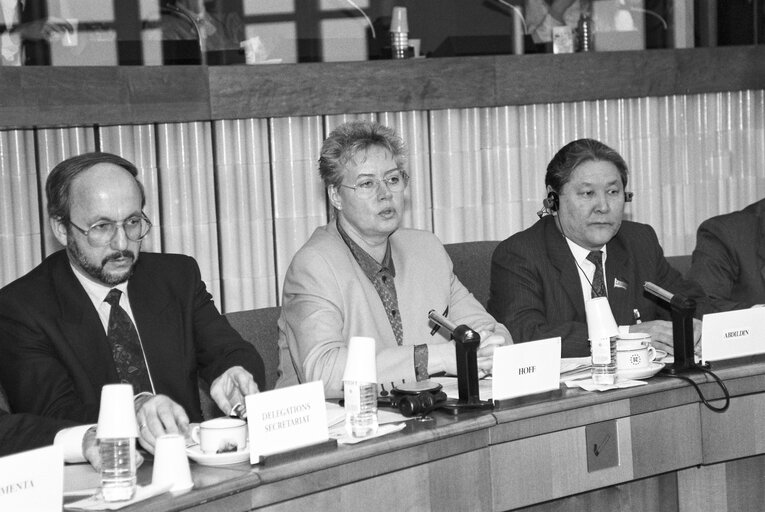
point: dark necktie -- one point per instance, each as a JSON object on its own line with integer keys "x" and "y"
{"x": 126, "y": 347}
{"x": 598, "y": 283}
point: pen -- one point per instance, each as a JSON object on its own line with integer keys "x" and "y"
{"x": 438, "y": 326}
{"x": 238, "y": 411}
{"x": 636, "y": 314}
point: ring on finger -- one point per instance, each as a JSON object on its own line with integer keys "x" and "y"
{"x": 141, "y": 426}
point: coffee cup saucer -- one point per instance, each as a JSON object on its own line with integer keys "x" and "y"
{"x": 196, "y": 454}
{"x": 640, "y": 373}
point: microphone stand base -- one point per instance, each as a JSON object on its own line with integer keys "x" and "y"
{"x": 455, "y": 406}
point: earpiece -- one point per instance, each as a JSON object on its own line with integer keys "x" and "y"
{"x": 551, "y": 202}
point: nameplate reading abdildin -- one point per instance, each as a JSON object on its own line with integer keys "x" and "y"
{"x": 733, "y": 334}
{"x": 526, "y": 368}
{"x": 33, "y": 480}
{"x": 286, "y": 419}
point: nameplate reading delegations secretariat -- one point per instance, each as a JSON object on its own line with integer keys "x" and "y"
{"x": 733, "y": 334}
{"x": 286, "y": 419}
{"x": 526, "y": 369}
{"x": 33, "y": 480}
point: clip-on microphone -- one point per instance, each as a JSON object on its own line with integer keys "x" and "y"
{"x": 682, "y": 309}
{"x": 466, "y": 345}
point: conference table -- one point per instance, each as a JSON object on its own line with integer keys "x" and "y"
{"x": 652, "y": 447}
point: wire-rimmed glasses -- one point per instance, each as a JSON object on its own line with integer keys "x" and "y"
{"x": 136, "y": 228}
{"x": 368, "y": 186}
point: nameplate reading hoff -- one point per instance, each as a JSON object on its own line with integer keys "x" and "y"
{"x": 286, "y": 419}
{"x": 733, "y": 334}
{"x": 32, "y": 480}
{"x": 526, "y": 369}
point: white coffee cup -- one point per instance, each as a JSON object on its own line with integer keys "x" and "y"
{"x": 634, "y": 351}
{"x": 221, "y": 435}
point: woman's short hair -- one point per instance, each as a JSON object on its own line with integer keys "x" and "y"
{"x": 350, "y": 139}
{"x": 577, "y": 152}
{"x": 59, "y": 183}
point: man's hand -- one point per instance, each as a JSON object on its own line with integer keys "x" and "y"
{"x": 92, "y": 453}
{"x": 662, "y": 337}
{"x": 231, "y": 387}
{"x": 158, "y": 415}
{"x": 661, "y": 334}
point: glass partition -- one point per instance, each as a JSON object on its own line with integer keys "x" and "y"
{"x": 167, "y": 32}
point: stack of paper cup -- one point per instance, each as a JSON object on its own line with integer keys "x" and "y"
{"x": 399, "y": 33}
{"x": 171, "y": 466}
{"x": 602, "y": 331}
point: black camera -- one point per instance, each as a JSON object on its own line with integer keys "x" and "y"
{"x": 419, "y": 399}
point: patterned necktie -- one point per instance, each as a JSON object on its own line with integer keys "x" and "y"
{"x": 598, "y": 283}
{"x": 126, "y": 347}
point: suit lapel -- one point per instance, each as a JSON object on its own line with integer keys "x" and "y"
{"x": 618, "y": 267}
{"x": 148, "y": 302}
{"x": 761, "y": 245}
{"x": 80, "y": 324}
{"x": 562, "y": 259}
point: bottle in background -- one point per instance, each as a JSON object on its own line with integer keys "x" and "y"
{"x": 584, "y": 28}
{"x": 399, "y": 33}
{"x": 360, "y": 387}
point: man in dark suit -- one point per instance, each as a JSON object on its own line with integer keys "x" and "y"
{"x": 541, "y": 277}
{"x": 19, "y": 432}
{"x": 61, "y": 341}
{"x": 729, "y": 259}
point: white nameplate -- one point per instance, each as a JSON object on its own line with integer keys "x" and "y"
{"x": 33, "y": 480}
{"x": 733, "y": 334}
{"x": 286, "y": 418}
{"x": 526, "y": 368}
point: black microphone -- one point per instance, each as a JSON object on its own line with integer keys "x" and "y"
{"x": 682, "y": 309}
{"x": 466, "y": 346}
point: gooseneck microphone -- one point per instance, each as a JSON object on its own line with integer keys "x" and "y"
{"x": 682, "y": 309}
{"x": 466, "y": 346}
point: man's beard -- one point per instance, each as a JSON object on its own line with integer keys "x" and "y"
{"x": 97, "y": 271}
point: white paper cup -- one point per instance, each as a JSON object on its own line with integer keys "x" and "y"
{"x": 116, "y": 416}
{"x": 600, "y": 319}
{"x": 171, "y": 465}
{"x": 361, "y": 366}
{"x": 399, "y": 22}
{"x": 221, "y": 435}
{"x": 634, "y": 351}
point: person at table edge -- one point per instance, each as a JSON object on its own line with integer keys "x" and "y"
{"x": 55, "y": 353}
{"x": 362, "y": 274}
{"x": 541, "y": 277}
{"x": 729, "y": 259}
